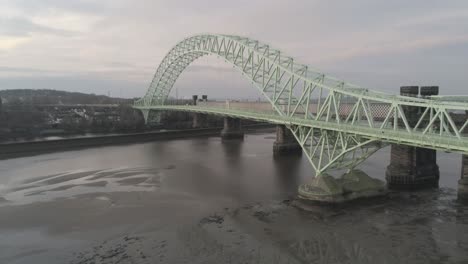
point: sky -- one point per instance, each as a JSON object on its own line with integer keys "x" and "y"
{"x": 114, "y": 46}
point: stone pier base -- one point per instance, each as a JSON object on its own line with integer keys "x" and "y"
{"x": 285, "y": 143}
{"x": 232, "y": 129}
{"x": 463, "y": 182}
{"x": 412, "y": 168}
{"x": 352, "y": 185}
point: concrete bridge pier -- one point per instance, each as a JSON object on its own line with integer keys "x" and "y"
{"x": 232, "y": 129}
{"x": 463, "y": 182}
{"x": 412, "y": 167}
{"x": 285, "y": 142}
{"x": 427, "y": 166}
{"x": 199, "y": 120}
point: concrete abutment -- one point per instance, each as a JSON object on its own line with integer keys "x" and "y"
{"x": 354, "y": 184}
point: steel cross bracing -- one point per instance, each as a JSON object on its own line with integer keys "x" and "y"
{"x": 337, "y": 124}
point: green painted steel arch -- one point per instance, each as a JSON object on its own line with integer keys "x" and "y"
{"x": 298, "y": 92}
{"x": 330, "y": 118}
{"x": 192, "y": 48}
{"x": 249, "y": 55}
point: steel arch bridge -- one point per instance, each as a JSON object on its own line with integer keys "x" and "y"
{"x": 337, "y": 124}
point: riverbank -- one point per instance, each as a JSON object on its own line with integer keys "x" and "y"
{"x": 28, "y": 148}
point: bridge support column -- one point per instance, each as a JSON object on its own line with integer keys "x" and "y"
{"x": 285, "y": 142}
{"x": 428, "y": 157}
{"x": 463, "y": 182}
{"x": 200, "y": 120}
{"x": 232, "y": 129}
{"x": 412, "y": 167}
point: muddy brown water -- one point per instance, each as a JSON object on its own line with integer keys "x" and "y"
{"x": 201, "y": 200}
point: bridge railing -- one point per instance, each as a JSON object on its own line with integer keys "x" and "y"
{"x": 372, "y": 114}
{"x": 431, "y": 138}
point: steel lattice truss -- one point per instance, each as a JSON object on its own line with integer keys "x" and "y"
{"x": 337, "y": 124}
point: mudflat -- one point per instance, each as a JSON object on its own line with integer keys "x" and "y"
{"x": 202, "y": 200}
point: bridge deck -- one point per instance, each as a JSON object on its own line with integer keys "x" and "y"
{"x": 399, "y": 135}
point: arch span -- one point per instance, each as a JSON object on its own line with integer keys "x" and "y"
{"x": 267, "y": 68}
{"x": 330, "y": 118}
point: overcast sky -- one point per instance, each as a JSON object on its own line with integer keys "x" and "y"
{"x": 115, "y": 46}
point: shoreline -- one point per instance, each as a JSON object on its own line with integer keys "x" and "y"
{"x": 31, "y": 148}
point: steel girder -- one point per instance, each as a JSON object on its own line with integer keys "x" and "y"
{"x": 330, "y": 118}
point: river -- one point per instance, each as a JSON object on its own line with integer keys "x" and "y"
{"x": 201, "y": 200}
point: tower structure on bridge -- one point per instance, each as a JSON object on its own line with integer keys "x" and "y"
{"x": 200, "y": 120}
{"x": 413, "y": 167}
